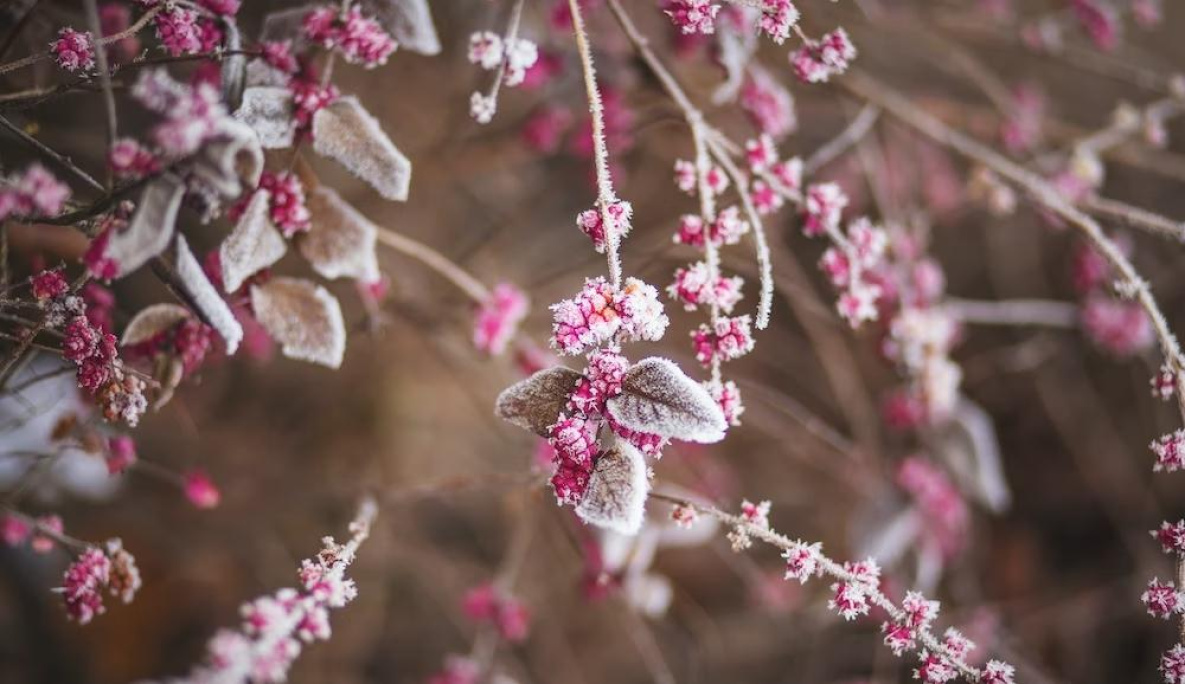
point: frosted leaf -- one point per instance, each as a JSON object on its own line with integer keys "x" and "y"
{"x": 409, "y": 22}
{"x": 152, "y": 321}
{"x": 535, "y": 403}
{"x": 617, "y": 490}
{"x": 736, "y": 49}
{"x": 260, "y": 74}
{"x": 658, "y": 398}
{"x": 304, "y": 318}
{"x": 348, "y": 134}
{"x": 206, "y": 299}
{"x": 968, "y": 444}
{"x": 340, "y": 241}
{"x": 253, "y": 245}
{"x": 231, "y": 161}
{"x": 268, "y": 111}
{"x": 151, "y": 227}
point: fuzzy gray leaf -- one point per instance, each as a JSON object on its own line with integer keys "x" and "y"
{"x": 304, "y": 318}
{"x": 347, "y": 133}
{"x": 617, "y": 490}
{"x": 151, "y": 227}
{"x": 340, "y": 241}
{"x": 152, "y": 321}
{"x": 231, "y": 161}
{"x": 268, "y": 111}
{"x": 207, "y": 300}
{"x": 409, "y": 22}
{"x": 658, "y": 398}
{"x": 253, "y": 245}
{"x": 535, "y": 403}
{"x": 968, "y": 444}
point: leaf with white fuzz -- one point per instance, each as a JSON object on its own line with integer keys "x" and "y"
{"x": 340, "y": 241}
{"x": 347, "y": 133}
{"x": 253, "y": 245}
{"x": 151, "y": 227}
{"x": 268, "y": 111}
{"x": 535, "y": 404}
{"x": 152, "y": 321}
{"x": 304, "y": 318}
{"x": 206, "y": 298}
{"x": 231, "y": 161}
{"x": 658, "y": 398}
{"x": 617, "y": 490}
{"x": 409, "y": 22}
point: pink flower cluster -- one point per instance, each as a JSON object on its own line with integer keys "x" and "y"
{"x": 360, "y": 39}
{"x": 917, "y": 613}
{"x": 275, "y": 627}
{"x": 920, "y": 340}
{"x": 618, "y": 224}
{"x": 490, "y": 50}
{"x": 498, "y": 318}
{"x": 200, "y": 490}
{"x": 15, "y": 530}
{"x": 128, "y": 159}
{"x": 286, "y": 201}
{"x": 1100, "y": 21}
{"x": 768, "y": 104}
{"x": 1162, "y": 599}
{"x": 73, "y": 50}
{"x": 693, "y": 16}
{"x": 95, "y": 571}
{"x": 308, "y": 98}
{"x": 121, "y": 454}
{"x": 851, "y": 596}
{"x": 818, "y": 60}
{"x": 938, "y": 501}
{"x": 192, "y": 112}
{"x": 726, "y": 339}
{"x": 179, "y": 31}
{"x": 851, "y": 266}
{"x": 35, "y": 192}
{"x": 692, "y": 287}
{"x": 1121, "y": 327}
{"x": 778, "y": 17}
{"x": 599, "y": 314}
{"x": 486, "y": 603}
{"x": 728, "y": 397}
{"x": 102, "y": 373}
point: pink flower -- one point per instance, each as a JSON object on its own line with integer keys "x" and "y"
{"x": 756, "y": 513}
{"x": 823, "y": 209}
{"x": 128, "y": 159}
{"x": 83, "y": 584}
{"x": 121, "y": 454}
{"x": 802, "y": 561}
{"x": 178, "y": 31}
{"x": 1171, "y": 537}
{"x": 1170, "y": 452}
{"x": 692, "y": 288}
{"x": 360, "y": 39}
{"x": 480, "y": 602}
{"x": 1162, "y": 600}
{"x": 587, "y": 320}
{"x": 591, "y": 224}
{"x": 576, "y": 450}
{"x": 13, "y": 530}
{"x": 498, "y": 318}
{"x": 685, "y": 176}
{"x": 693, "y": 16}
{"x": 996, "y": 672}
{"x": 768, "y": 104}
{"x": 1100, "y": 21}
{"x": 485, "y": 49}
{"x": 602, "y": 381}
{"x": 73, "y": 50}
{"x": 42, "y": 542}
{"x": 49, "y": 285}
{"x": 934, "y": 669}
{"x": 278, "y": 55}
{"x": 1164, "y": 383}
{"x": 287, "y": 202}
{"x": 1172, "y": 665}
{"x": 777, "y": 18}
{"x": 729, "y": 398}
{"x": 200, "y": 490}
{"x": 958, "y": 644}
{"x": 817, "y": 61}
{"x": 731, "y": 338}
{"x": 310, "y": 97}
{"x": 1119, "y": 327}
{"x": 761, "y": 153}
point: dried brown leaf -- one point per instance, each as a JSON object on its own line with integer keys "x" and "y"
{"x": 303, "y": 317}
{"x": 535, "y": 403}
{"x": 340, "y": 241}
{"x": 253, "y": 245}
{"x": 347, "y": 133}
{"x": 207, "y": 300}
{"x": 658, "y": 398}
{"x": 152, "y": 321}
{"x": 151, "y": 227}
{"x": 617, "y": 490}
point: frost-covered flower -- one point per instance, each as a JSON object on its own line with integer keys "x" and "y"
{"x": 934, "y": 669}
{"x": 1171, "y": 537}
{"x": 692, "y": 287}
{"x": 1162, "y": 599}
{"x": 802, "y": 560}
{"x": 308, "y": 98}
{"x": 360, "y": 39}
{"x": 768, "y": 104}
{"x": 200, "y": 490}
{"x": 1119, "y": 327}
{"x": 82, "y": 587}
{"x": 73, "y": 50}
{"x": 602, "y": 381}
{"x": 121, "y": 454}
{"x": 587, "y": 320}
{"x": 1172, "y": 665}
{"x": 778, "y": 17}
{"x": 728, "y": 339}
{"x": 817, "y": 61}
{"x": 178, "y": 31}
{"x": 823, "y": 209}
{"x": 498, "y": 318}
{"x": 521, "y": 55}
{"x": 1164, "y": 383}
{"x": 35, "y": 192}
{"x": 286, "y": 201}
{"x": 693, "y": 16}
{"x": 619, "y": 215}
{"x": 1170, "y": 452}
{"x": 129, "y": 159}
{"x": 576, "y": 451}
{"x": 997, "y": 672}
{"x": 728, "y": 397}
{"x": 485, "y": 49}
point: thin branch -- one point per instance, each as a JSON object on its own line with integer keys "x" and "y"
{"x": 1036, "y": 312}
{"x": 471, "y": 286}
{"x": 52, "y": 154}
{"x": 849, "y": 136}
{"x": 100, "y": 43}
{"x": 92, "y": 17}
{"x": 1133, "y": 216}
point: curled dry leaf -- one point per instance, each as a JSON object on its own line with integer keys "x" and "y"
{"x": 658, "y": 398}
{"x": 231, "y": 161}
{"x": 340, "y": 241}
{"x": 206, "y": 299}
{"x": 151, "y": 227}
{"x": 617, "y": 490}
{"x": 409, "y": 22}
{"x": 535, "y": 403}
{"x": 253, "y": 245}
{"x": 968, "y": 445}
{"x": 152, "y": 321}
{"x": 304, "y": 318}
{"x": 347, "y": 133}
{"x": 268, "y": 111}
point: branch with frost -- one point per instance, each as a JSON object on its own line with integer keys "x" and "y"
{"x": 857, "y": 590}
{"x": 276, "y": 627}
